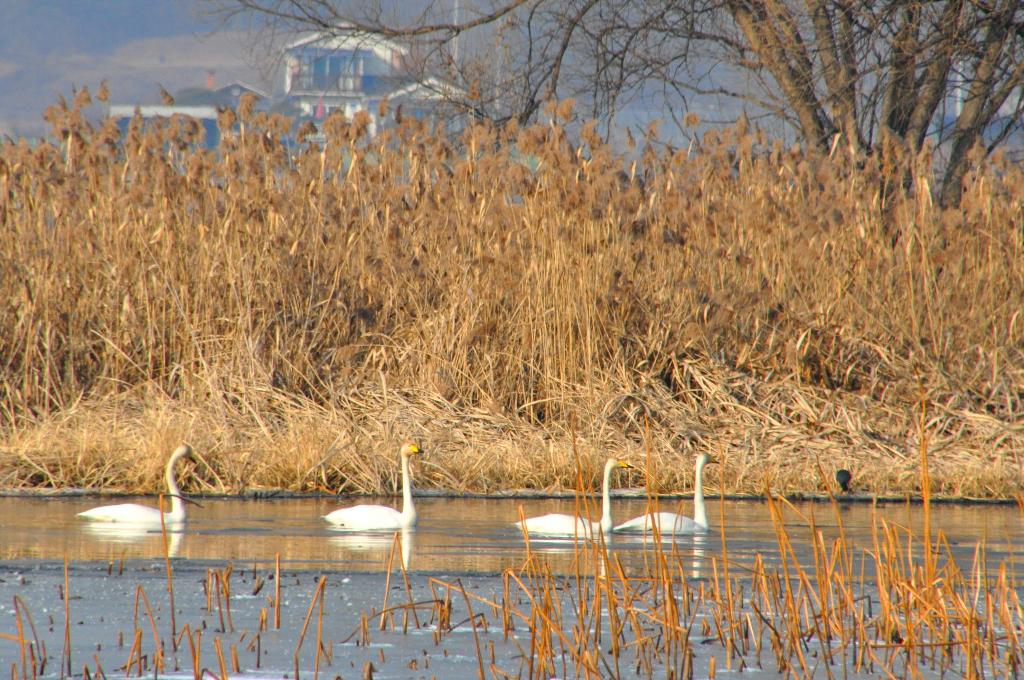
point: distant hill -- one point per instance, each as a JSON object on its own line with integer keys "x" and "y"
{"x": 47, "y": 47}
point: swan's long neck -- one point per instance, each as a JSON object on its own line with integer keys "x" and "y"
{"x": 606, "y": 504}
{"x": 177, "y": 513}
{"x": 408, "y": 510}
{"x": 700, "y": 515}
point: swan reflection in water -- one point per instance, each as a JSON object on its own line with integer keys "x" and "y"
{"x": 697, "y": 562}
{"x": 568, "y": 544}
{"x": 691, "y": 549}
{"x": 113, "y": 532}
{"x": 381, "y": 542}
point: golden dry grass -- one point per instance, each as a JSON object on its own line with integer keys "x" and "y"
{"x": 498, "y": 297}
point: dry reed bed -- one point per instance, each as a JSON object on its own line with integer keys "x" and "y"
{"x": 499, "y": 297}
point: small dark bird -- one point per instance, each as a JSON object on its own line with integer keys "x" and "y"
{"x": 166, "y": 96}
{"x": 843, "y": 479}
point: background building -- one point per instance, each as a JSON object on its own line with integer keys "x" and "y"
{"x": 345, "y": 71}
{"x": 352, "y": 71}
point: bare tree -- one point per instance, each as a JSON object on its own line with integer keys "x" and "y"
{"x": 862, "y": 74}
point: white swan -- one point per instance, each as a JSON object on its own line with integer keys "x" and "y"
{"x": 569, "y": 526}
{"x": 141, "y": 515}
{"x": 670, "y": 522}
{"x": 381, "y": 517}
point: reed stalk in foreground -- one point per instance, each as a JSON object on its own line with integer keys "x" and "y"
{"x": 296, "y": 312}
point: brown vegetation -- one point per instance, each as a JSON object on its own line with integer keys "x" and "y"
{"x": 294, "y": 317}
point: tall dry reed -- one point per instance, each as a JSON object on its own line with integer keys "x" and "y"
{"x": 295, "y": 313}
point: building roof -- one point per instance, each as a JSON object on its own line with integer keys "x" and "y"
{"x": 347, "y": 37}
{"x": 128, "y": 111}
{"x": 226, "y": 95}
{"x": 430, "y": 88}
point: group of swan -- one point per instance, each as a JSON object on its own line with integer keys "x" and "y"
{"x": 357, "y": 518}
{"x": 383, "y": 518}
{"x": 556, "y": 525}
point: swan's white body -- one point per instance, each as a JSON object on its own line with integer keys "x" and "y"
{"x": 670, "y": 522}
{"x": 667, "y": 523}
{"x": 381, "y": 517}
{"x": 142, "y": 515}
{"x": 572, "y": 526}
{"x": 560, "y": 525}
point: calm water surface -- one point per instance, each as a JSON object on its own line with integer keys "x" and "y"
{"x": 468, "y": 535}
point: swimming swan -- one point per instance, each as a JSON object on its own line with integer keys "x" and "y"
{"x": 571, "y": 525}
{"x": 670, "y": 522}
{"x": 133, "y": 513}
{"x": 381, "y": 517}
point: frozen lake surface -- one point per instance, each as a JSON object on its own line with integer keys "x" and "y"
{"x": 334, "y": 584}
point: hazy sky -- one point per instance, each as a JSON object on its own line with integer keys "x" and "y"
{"x": 47, "y": 47}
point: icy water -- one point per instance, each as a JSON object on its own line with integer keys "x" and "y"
{"x": 113, "y": 574}
{"x": 460, "y": 535}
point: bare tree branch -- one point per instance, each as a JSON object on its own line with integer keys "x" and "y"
{"x": 873, "y": 71}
